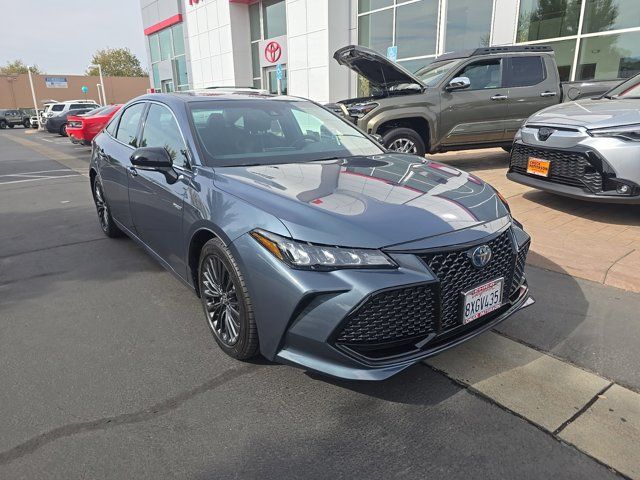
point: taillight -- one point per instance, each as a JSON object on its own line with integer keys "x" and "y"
{"x": 75, "y": 123}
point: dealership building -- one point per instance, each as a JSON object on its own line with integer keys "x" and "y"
{"x": 288, "y": 44}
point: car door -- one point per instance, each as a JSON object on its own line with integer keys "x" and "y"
{"x": 157, "y": 203}
{"x": 115, "y": 162}
{"x": 475, "y": 114}
{"x": 531, "y": 88}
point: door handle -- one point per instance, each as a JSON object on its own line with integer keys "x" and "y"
{"x": 548, "y": 94}
{"x": 499, "y": 97}
{"x": 133, "y": 171}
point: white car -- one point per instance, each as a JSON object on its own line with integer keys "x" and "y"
{"x": 63, "y": 107}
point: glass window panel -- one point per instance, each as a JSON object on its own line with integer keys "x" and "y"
{"x": 609, "y": 57}
{"x": 416, "y": 28}
{"x": 525, "y": 71}
{"x": 257, "y": 83}
{"x": 178, "y": 40}
{"x": 156, "y": 75}
{"x": 154, "y": 46}
{"x": 161, "y": 130}
{"x": 468, "y": 24}
{"x": 181, "y": 70}
{"x": 483, "y": 74}
{"x": 376, "y": 30}
{"x": 540, "y": 19}
{"x": 415, "y": 65}
{"x": 254, "y": 21}
{"x": 603, "y": 15}
{"x": 255, "y": 59}
{"x": 367, "y": 5}
{"x": 166, "y": 52}
{"x": 129, "y": 121}
{"x": 274, "y": 18}
{"x": 564, "y": 51}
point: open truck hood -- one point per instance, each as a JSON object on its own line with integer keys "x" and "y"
{"x": 379, "y": 70}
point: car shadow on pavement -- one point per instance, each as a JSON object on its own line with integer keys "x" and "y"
{"x": 474, "y": 160}
{"x": 609, "y": 213}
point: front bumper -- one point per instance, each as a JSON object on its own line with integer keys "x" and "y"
{"x": 303, "y": 316}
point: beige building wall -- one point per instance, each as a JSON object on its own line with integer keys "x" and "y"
{"x": 15, "y": 91}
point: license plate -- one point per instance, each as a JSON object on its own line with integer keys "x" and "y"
{"x": 482, "y": 300}
{"x": 537, "y": 166}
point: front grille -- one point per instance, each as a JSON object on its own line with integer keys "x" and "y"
{"x": 392, "y": 316}
{"x": 456, "y": 275}
{"x": 567, "y": 168}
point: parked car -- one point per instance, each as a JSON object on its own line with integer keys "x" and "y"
{"x": 11, "y": 118}
{"x": 305, "y": 240}
{"x": 58, "y": 123}
{"x": 469, "y": 99}
{"x": 83, "y": 128}
{"x": 587, "y": 149}
{"x": 63, "y": 107}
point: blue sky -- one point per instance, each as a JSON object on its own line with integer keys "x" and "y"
{"x": 60, "y": 36}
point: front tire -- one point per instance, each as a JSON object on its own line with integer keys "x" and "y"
{"x": 26, "y": 124}
{"x": 3, "y": 124}
{"x": 11, "y": 125}
{"x": 63, "y": 130}
{"x": 404, "y": 140}
{"x": 226, "y": 303}
{"x": 108, "y": 226}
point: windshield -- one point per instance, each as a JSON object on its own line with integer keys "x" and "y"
{"x": 627, "y": 89}
{"x": 433, "y": 73}
{"x": 263, "y": 132}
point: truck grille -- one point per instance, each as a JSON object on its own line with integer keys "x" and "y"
{"x": 567, "y": 168}
{"x": 402, "y": 317}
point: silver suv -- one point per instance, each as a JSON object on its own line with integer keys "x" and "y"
{"x": 587, "y": 149}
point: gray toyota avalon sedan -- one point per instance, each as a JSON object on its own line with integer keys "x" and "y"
{"x": 586, "y": 149}
{"x": 304, "y": 239}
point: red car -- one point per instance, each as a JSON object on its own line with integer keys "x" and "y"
{"x": 82, "y": 128}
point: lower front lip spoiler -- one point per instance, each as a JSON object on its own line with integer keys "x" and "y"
{"x": 331, "y": 368}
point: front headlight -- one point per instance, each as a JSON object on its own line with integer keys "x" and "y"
{"x": 629, "y": 133}
{"x": 319, "y": 257}
{"x": 360, "y": 110}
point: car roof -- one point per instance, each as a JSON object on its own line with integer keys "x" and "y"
{"x": 215, "y": 94}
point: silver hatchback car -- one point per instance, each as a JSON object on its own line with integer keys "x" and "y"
{"x": 586, "y": 149}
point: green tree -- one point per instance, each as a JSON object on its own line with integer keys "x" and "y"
{"x": 116, "y": 62}
{"x": 16, "y": 67}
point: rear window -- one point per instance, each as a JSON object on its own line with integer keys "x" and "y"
{"x": 95, "y": 111}
{"x": 525, "y": 71}
{"x": 77, "y": 106}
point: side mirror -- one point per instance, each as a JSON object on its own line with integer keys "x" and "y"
{"x": 458, "y": 83}
{"x": 151, "y": 158}
{"x": 155, "y": 158}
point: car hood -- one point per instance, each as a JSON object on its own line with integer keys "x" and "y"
{"x": 369, "y": 202}
{"x": 590, "y": 113}
{"x": 379, "y": 70}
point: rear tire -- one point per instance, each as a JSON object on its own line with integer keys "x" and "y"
{"x": 11, "y": 125}
{"x": 26, "y": 124}
{"x": 3, "y": 124}
{"x": 63, "y": 130}
{"x": 108, "y": 226}
{"x": 226, "y": 302}
{"x": 404, "y": 140}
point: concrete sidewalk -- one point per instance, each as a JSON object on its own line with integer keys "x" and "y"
{"x": 599, "y": 242}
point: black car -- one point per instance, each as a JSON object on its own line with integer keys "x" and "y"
{"x": 58, "y": 123}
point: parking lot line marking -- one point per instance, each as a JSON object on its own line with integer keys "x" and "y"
{"x": 544, "y": 390}
{"x": 69, "y": 161}
{"x": 36, "y": 172}
{"x": 11, "y": 182}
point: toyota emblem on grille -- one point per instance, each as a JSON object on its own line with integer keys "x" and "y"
{"x": 480, "y": 256}
{"x": 544, "y": 133}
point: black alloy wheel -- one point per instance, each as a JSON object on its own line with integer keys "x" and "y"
{"x": 226, "y": 302}
{"x": 107, "y": 224}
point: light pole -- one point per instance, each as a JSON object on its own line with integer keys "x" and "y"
{"x": 98, "y": 85}
{"x": 104, "y": 95}
{"x": 35, "y": 102}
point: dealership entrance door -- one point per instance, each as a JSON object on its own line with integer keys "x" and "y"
{"x": 272, "y": 80}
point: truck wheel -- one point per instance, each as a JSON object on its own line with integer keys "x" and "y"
{"x": 11, "y": 125}
{"x": 404, "y": 140}
{"x": 3, "y": 124}
{"x": 26, "y": 124}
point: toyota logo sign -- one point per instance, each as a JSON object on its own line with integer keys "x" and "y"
{"x": 273, "y": 52}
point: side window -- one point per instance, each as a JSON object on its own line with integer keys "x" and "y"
{"x": 525, "y": 71}
{"x": 57, "y": 108}
{"x": 161, "y": 130}
{"x": 128, "y": 127}
{"x": 111, "y": 127}
{"x": 483, "y": 74}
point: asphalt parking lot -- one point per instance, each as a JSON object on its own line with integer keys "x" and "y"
{"x": 109, "y": 371}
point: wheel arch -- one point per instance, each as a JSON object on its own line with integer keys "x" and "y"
{"x": 199, "y": 238}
